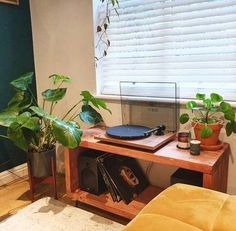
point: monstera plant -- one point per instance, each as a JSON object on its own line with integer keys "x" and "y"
{"x": 34, "y": 129}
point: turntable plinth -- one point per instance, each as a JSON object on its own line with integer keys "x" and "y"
{"x": 152, "y": 142}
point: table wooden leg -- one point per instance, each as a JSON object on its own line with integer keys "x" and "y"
{"x": 77, "y": 203}
{"x": 217, "y": 180}
{"x": 208, "y": 181}
{"x": 224, "y": 173}
{"x": 31, "y": 183}
{"x": 53, "y": 167}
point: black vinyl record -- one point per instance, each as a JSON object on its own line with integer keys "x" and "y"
{"x": 127, "y": 131}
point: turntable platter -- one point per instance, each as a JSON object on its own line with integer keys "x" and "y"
{"x": 127, "y": 131}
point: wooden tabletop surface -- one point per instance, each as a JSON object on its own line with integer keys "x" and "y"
{"x": 168, "y": 154}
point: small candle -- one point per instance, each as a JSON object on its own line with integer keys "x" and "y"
{"x": 195, "y": 147}
{"x": 183, "y": 140}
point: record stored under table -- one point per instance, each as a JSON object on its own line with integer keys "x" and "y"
{"x": 213, "y": 165}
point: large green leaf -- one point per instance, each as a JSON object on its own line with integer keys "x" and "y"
{"x": 229, "y": 115}
{"x": 41, "y": 113}
{"x": 229, "y": 128}
{"x": 101, "y": 104}
{"x": 32, "y": 124}
{"x": 16, "y": 99}
{"x": 224, "y": 107}
{"x": 15, "y": 133}
{"x": 54, "y": 95}
{"x": 215, "y": 108}
{"x": 68, "y": 134}
{"x": 216, "y": 98}
{"x": 90, "y": 115}
{"x": 19, "y": 104}
{"x": 184, "y": 118}
{"x": 60, "y": 78}
{"x": 206, "y": 132}
{"x": 200, "y": 96}
{"x": 26, "y": 120}
{"x": 22, "y": 118}
{"x": 6, "y": 119}
{"x": 22, "y": 83}
{"x": 191, "y": 104}
{"x": 207, "y": 103}
{"x": 88, "y": 97}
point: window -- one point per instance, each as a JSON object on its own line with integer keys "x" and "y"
{"x": 190, "y": 42}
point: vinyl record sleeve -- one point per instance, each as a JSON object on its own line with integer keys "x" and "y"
{"x": 127, "y": 176}
{"x": 108, "y": 182}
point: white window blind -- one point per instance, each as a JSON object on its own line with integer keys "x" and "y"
{"x": 190, "y": 42}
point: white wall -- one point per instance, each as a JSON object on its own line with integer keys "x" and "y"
{"x": 63, "y": 43}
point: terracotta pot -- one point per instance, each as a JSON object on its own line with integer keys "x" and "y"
{"x": 213, "y": 139}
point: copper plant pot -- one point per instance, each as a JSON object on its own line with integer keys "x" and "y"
{"x": 209, "y": 141}
{"x": 40, "y": 163}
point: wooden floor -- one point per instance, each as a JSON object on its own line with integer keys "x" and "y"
{"x": 15, "y": 196}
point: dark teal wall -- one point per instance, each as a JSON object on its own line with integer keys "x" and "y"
{"x": 16, "y": 58}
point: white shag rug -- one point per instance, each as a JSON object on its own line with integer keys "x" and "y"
{"x": 48, "y": 214}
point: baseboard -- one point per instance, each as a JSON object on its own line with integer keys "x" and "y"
{"x": 13, "y": 174}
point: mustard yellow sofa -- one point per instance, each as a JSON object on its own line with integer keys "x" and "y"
{"x": 187, "y": 208}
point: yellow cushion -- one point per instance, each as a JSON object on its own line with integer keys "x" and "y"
{"x": 201, "y": 208}
{"x": 145, "y": 222}
{"x": 226, "y": 219}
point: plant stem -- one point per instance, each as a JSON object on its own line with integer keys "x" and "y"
{"x": 35, "y": 147}
{"x": 60, "y": 85}
{"x": 71, "y": 109}
{"x": 100, "y": 38}
{"x": 51, "y": 108}
{"x": 73, "y": 117}
{"x": 5, "y": 137}
{"x": 43, "y": 104}
{"x": 201, "y": 113}
{"x": 35, "y": 101}
{"x": 207, "y": 116}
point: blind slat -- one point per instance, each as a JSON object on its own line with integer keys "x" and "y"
{"x": 173, "y": 72}
{"x": 138, "y": 46}
{"x": 129, "y": 33}
{"x": 167, "y": 65}
{"x": 170, "y": 59}
{"x": 164, "y": 51}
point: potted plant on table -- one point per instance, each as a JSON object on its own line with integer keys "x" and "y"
{"x": 36, "y": 131}
{"x": 210, "y": 114}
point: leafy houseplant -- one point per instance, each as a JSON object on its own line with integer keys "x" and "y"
{"x": 33, "y": 129}
{"x": 209, "y": 117}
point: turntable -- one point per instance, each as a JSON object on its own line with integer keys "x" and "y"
{"x": 134, "y": 131}
{"x": 142, "y": 113}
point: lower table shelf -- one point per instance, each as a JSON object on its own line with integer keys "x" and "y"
{"x": 105, "y": 202}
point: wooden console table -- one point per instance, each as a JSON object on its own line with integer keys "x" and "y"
{"x": 213, "y": 165}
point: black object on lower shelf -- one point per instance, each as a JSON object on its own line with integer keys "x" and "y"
{"x": 123, "y": 177}
{"x": 90, "y": 178}
{"x": 186, "y": 176}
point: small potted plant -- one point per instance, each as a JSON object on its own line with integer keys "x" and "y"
{"x": 210, "y": 114}
{"x": 35, "y": 130}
